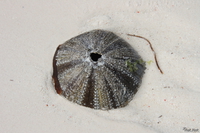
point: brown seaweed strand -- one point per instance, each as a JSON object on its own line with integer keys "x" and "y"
{"x": 155, "y": 57}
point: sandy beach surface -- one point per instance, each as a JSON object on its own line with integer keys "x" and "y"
{"x": 30, "y": 32}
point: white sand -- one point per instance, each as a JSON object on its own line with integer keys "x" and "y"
{"x": 31, "y": 31}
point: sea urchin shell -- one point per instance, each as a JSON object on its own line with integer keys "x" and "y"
{"x": 97, "y": 69}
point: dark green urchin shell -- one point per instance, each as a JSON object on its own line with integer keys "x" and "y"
{"x": 97, "y": 69}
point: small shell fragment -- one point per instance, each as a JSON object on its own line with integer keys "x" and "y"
{"x": 97, "y": 69}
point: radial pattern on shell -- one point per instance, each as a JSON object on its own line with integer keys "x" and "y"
{"x": 97, "y": 69}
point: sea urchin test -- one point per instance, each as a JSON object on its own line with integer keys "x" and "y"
{"x": 97, "y": 69}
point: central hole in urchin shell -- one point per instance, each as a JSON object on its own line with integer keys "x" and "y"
{"x": 95, "y": 56}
